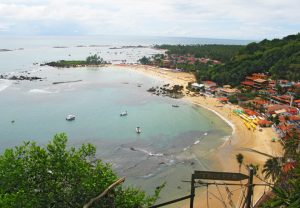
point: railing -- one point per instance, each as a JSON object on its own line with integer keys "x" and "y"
{"x": 172, "y": 201}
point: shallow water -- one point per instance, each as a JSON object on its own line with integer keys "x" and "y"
{"x": 173, "y": 143}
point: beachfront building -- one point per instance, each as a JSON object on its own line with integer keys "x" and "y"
{"x": 210, "y": 86}
{"x": 167, "y": 63}
{"x": 260, "y": 103}
{"x": 198, "y": 87}
{"x": 223, "y": 100}
{"x": 225, "y": 91}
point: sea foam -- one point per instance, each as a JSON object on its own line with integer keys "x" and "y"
{"x": 4, "y": 84}
{"x": 41, "y": 91}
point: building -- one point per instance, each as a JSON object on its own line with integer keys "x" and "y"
{"x": 210, "y": 86}
{"x": 256, "y": 81}
{"x": 260, "y": 83}
{"x": 227, "y": 91}
{"x": 260, "y": 104}
{"x": 197, "y": 86}
{"x": 248, "y": 84}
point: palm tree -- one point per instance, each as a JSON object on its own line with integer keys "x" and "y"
{"x": 240, "y": 159}
{"x": 272, "y": 168}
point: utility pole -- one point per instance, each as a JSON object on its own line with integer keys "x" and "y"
{"x": 192, "y": 191}
{"x": 250, "y": 188}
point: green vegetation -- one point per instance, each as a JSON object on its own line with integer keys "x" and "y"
{"x": 222, "y": 53}
{"x": 57, "y": 176}
{"x": 282, "y": 174}
{"x": 94, "y": 60}
{"x": 90, "y": 60}
{"x": 240, "y": 159}
{"x": 279, "y": 57}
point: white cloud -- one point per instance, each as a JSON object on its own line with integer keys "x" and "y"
{"x": 253, "y": 19}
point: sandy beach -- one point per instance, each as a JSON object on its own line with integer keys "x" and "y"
{"x": 225, "y": 156}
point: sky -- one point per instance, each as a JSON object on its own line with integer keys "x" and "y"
{"x": 229, "y": 19}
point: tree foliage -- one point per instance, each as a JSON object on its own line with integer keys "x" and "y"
{"x": 222, "y": 53}
{"x": 90, "y": 60}
{"x": 285, "y": 172}
{"x": 94, "y": 60}
{"x": 57, "y": 176}
{"x": 279, "y": 57}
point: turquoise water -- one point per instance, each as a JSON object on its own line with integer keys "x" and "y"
{"x": 173, "y": 143}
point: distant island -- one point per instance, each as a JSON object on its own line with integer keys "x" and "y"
{"x": 93, "y": 60}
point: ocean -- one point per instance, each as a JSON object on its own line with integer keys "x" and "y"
{"x": 174, "y": 141}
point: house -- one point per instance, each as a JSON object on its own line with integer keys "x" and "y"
{"x": 256, "y": 80}
{"x": 209, "y": 86}
{"x": 223, "y": 100}
{"x": 259, "y": 76}
{"x": 248, "y": 84}
{"x": 282, "y": 99}
{"x": 272, "y": 108}
{"x": 283, "y": 129}
{"x": 264, "y": 123}
{"x": 227, "y": 91}
{"x": 297, "y": 103}
{"x": 197, "y": 86}
{"x": 250, "y": 112}
{"x": 167, "y": 63}
{"x": 260, "y": 83}
{"x": 281, "y": 110}
{"x": 260, "y": 104}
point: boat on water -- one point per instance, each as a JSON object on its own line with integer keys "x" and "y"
{"x": 175, "y": 106}
{"x": 123, "y": 113}
{"x": 70, "y": 117}
{"x": 138, "y": 130}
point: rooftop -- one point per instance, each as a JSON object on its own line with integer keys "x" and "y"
{"x": 260, "y": 80}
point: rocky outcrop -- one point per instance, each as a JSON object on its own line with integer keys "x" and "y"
{"x": 21, "y": 77}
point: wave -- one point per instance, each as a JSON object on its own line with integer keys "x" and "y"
{"x": 150, "y": 153}
{"x": 41, "y": 91}
{"x": 4, "y": 84}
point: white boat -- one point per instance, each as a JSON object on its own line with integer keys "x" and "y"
{"x": 123, "y": 113}
{"x": 70, "y": 117}
{"x": 138, "y": 130}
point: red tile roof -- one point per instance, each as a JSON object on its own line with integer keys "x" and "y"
{"x": 294, "y": 118}
{"x": 249, "y": 83}
{"x": 260, "y": 102}
{"x": 264, "y": 122}
{"x": 250, "y": 112}
{"x": 223, "y": 99}
{"x": 288, "y": 166}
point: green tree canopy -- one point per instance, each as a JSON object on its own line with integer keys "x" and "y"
{"x": 94, "y": 59}
{"x": 61, "y": 176}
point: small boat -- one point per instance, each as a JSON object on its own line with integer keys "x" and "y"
{"x": 138, "y": 130}
{"x": 175, "y": 106}
{"x": 70, "y": 117}
{"x": 123, "y": 113}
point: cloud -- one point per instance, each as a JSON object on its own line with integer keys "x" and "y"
{"x": 215, "y": 18}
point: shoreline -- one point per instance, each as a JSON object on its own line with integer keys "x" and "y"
{"x": 241, "y": 137}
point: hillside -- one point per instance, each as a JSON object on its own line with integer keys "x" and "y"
{"x": 279, "y": 57}
{"x": 222, "y": 53}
